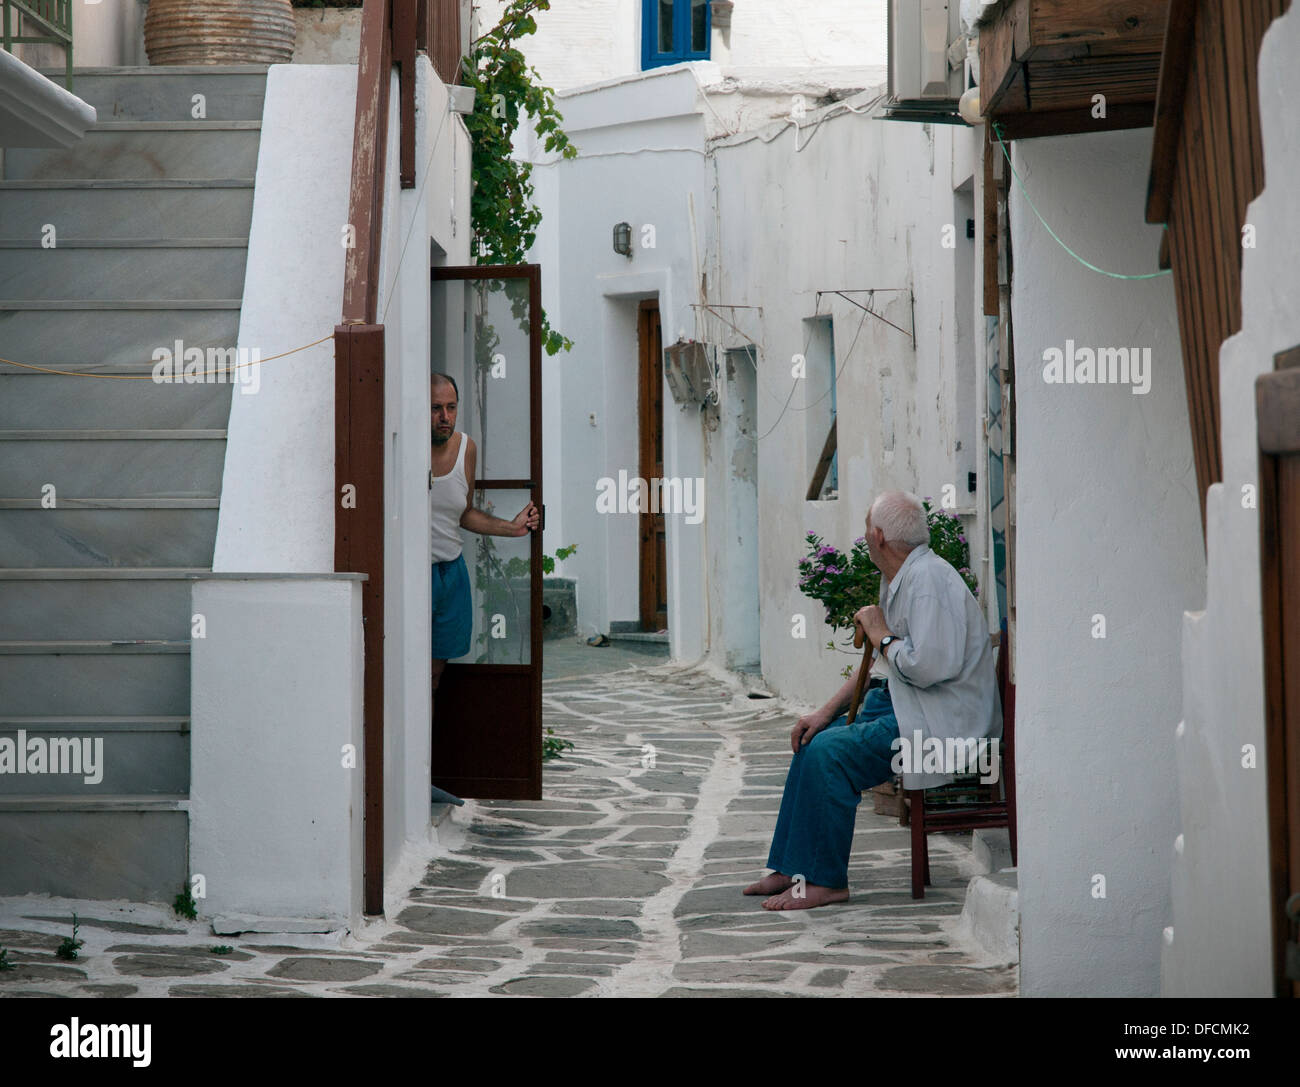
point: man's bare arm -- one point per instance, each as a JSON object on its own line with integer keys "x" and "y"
{"x": 485, "y": 524}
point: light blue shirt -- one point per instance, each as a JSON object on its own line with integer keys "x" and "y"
{"x": 941, "y": 676}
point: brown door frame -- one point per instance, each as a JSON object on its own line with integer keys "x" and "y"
{"x": 1277, "y": 410}
{"x": 486, "y": 786}
{"x": 650, "y": 413}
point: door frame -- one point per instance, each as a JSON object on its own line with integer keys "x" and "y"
{"x": 651, "y": 524}
{"x": 486, "y": 786}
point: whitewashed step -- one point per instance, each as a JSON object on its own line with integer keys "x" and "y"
{"x": 48, "y": 401}
{"x": 145, "y": 149}
{"x": 141, "y": 533}
{"x": 229, "y": 92}
{"x": 134, "y": 848}
{"x": 106, "y": 604}
{"x": 127, "y": 209}
{"x": 110, "y": 336}
{"x": 81, "y": 679}
{"x": 101, "y": 755}
{"x": 125, "y": 463}
{"x": 82, "y": 270}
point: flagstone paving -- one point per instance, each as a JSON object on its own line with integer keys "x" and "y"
{"x": 624, "y": 881}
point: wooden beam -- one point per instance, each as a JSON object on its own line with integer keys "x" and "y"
{"x": 991, "y": 150}
{"x": 359, "y": 547}
{"x": 823, "y": 465}
{"x": 1028, "y": 126}
{"x": 1277, "y": 408}
{"x": 404, "y": 39}
{"x": 1171, "y": 89}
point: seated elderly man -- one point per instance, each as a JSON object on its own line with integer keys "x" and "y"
{"x": 932, "y": 638}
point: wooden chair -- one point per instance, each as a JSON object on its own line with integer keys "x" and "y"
{"x": 967, "y": 803}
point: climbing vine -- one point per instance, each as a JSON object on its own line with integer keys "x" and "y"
{"x": 507, "y": 91}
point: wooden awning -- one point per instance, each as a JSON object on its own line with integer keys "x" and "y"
{"x": 1043, "y": 61}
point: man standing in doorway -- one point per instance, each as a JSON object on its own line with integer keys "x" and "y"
{"x": 451, "y": 508}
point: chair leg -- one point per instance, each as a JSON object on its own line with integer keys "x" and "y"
{"x": 919, "y": 859}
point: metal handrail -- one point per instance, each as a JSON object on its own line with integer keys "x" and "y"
{"x": 52, "y": 17}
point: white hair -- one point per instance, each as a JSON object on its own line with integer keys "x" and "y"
{"x": 901, "y": 517}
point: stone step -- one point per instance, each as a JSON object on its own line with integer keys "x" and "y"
{"x": 104, "y": 847}
{"x": 117, "y": 338}
{"x": 88, "y": 209}
{"x": 145, "y": 149}
{"x": 81, "y": 679}
{"x": 83, "y": 272}
{"x": 127, "y": 755}
{"x": 123, "y": 463}
{"x": 112, "y": 603}
{"x": 37, "y": 400}
{"x": 230, "y": 92}
{"x": 140, "y": 533}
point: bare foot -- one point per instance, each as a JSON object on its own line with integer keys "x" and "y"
{"x": 812, "y": 896}
{"x": 769, "y": 885}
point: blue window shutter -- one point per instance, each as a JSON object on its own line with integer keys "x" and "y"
{"x": 681, "y": 45}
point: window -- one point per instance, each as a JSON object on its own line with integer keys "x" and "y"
{"x": 673, "y": 31}
{"x": 819, "y": 409}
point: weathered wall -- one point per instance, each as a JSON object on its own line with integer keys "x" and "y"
{"x": 1219, "y": 941}
{"x": 863, "y": 205}
{"x": 277, "y": 507}
{"x": 641, "y": 148}
{"x": 1108, "y": 525}
{"x": 763, "y": 32}
{"x": 326, "y": 35}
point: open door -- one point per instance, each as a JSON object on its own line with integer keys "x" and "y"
{"x": 487, "y": 718}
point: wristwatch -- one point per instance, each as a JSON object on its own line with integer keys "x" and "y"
{"x": 888, "y": 639}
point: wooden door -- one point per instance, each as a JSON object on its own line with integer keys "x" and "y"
{"x": 650, "y": 412}
{"x": 1278, "y": 414}
{"x": 487, "y": 720}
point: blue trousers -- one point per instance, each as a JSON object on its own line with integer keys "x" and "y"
{"x": 814, "y": 830}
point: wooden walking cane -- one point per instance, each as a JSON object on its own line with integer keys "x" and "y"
{"x": 858, "y": 638}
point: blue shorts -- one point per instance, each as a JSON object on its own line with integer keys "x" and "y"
{"x": 453, "y": 620}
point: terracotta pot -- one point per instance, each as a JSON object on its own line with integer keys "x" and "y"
{"x": 219, "y": 32}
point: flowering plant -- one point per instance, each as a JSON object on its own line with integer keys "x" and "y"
{"x": 845, "y": 583}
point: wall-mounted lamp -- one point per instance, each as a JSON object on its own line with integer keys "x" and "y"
{"x": 623, "y": 239}
{"x": 969, "y": 107}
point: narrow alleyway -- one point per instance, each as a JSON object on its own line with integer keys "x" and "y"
{"x": 624, "y": 881}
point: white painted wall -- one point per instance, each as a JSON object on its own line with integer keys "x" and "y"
{"x": 587, "y": 41}
{"x": 1108, "y": 524}
{"x": 436, "y": 208}
{"x": 639, "y": 173}
{"x": 277, "y": 511}
{"x": 276, "y": 815}
{"x": 1221, "y": 936}
{"x": 862, "y": 206}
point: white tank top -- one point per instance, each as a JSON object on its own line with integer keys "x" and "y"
{"x": 447, "y": 495}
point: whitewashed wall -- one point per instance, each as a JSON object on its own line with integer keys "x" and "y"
{"x": 586, "y": 41}
{"x": 277, "y": 505}
{"x": 1108, "y": 524}
{"x": 1220, "y": 941}
{"x": 863, "y": 206}
{"x": 641, "y": 147}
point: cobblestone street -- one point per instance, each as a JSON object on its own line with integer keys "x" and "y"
{"x": 624, "y": 881}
